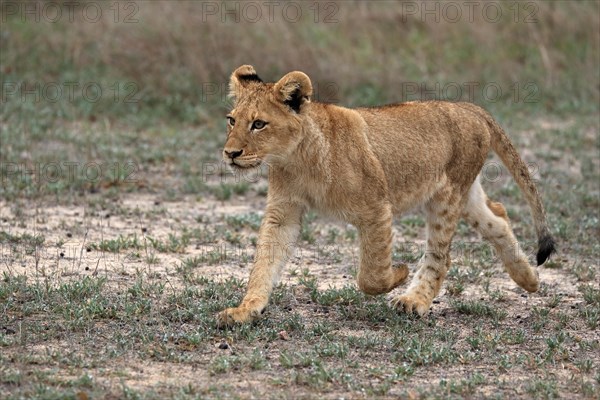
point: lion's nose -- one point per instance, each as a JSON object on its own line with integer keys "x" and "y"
{"x": 233, "y": 154}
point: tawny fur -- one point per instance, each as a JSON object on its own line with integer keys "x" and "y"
{"x": 364, "y": 166}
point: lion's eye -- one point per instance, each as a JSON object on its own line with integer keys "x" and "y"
{"x": 231, "y": 121}
{"x": 258, "y": 124}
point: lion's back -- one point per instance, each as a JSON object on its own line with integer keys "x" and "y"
{"x": 415, "y": 143}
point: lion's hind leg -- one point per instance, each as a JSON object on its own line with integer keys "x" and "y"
{"x": 443, "y": 212}
{"x": 490, "y": 220}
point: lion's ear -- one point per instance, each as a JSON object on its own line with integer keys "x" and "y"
{"x": 240, "y": 78}
{"x": 294, "y": 89}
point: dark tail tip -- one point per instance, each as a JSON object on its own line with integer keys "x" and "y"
{"x": 546, "y": 247}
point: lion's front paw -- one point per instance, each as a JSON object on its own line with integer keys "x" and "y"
{"x": 236, "y": 315}
{"x": 411, "y": 303}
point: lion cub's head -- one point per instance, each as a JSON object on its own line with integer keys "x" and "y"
{"x": 266, "y": 121}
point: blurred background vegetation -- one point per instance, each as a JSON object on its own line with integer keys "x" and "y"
{"x": 178, "y": 54}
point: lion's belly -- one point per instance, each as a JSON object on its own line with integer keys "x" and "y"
{"x": 403, "y": 200}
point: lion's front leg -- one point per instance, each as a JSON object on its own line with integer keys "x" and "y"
{"x": 278, "y": 233}
{"x": 376, "y": 274}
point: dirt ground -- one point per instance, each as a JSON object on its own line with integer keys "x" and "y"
{"x": 71, "y": 251}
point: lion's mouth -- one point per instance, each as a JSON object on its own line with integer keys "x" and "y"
{"x": 245, "y": 164}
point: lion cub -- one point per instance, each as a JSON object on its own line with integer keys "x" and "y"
{"x": 363, "y": 166}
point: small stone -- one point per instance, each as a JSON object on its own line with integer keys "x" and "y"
{"x": 9, "y": 331}
{"x": 82, "y": 396}
{"x": 283, "y": 335}
{"x": 223, "y": 346}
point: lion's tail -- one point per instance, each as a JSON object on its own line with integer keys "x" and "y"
{"x": 502, "y": 146}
